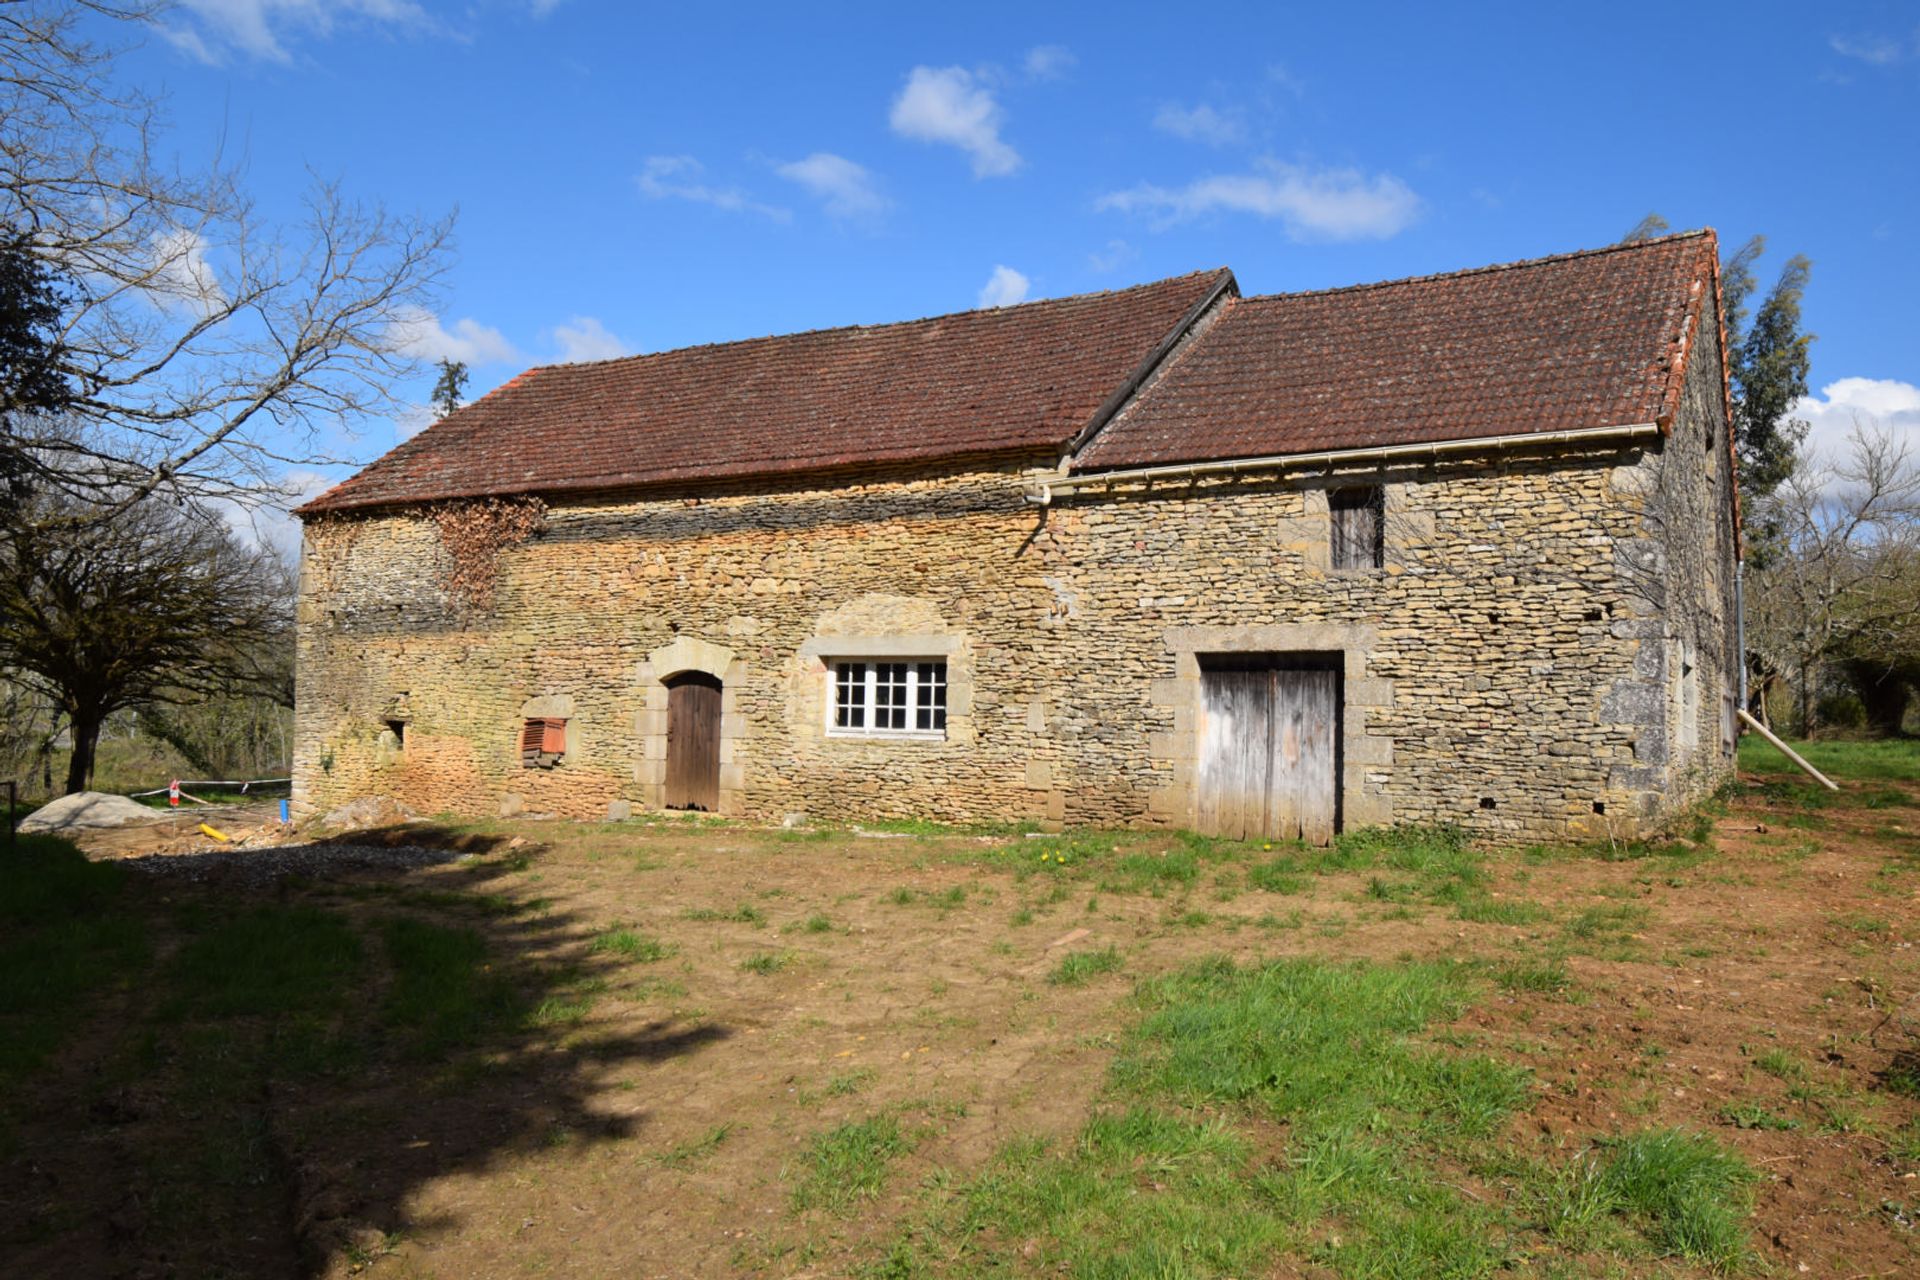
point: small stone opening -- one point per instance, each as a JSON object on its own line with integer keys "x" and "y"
{"x": 398, "y": 728}
{"x": 1487, "y": 802}
{"x": 1600, "y": 806}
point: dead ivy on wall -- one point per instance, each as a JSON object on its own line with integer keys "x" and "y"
{"x": 330, "y": 537}
{"x": 475, "y": 533}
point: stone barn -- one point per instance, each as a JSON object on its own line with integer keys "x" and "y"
{"x": 1455, "y": 549}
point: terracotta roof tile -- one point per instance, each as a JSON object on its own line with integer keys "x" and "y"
{"x": 1019, "y": 378}
{"x": 1588, "y": 339}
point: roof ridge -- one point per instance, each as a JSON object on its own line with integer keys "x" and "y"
{"x": 1571, "y": 255}
{"x": 887, "y": 324}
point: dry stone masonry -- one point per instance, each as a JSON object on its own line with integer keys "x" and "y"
{"x": 1543, "y": 652}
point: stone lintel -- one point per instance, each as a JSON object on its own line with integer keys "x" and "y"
{"x": 554, "y": 706}
{"x": 920, "y": 645}
{"x": 688, "y": 653}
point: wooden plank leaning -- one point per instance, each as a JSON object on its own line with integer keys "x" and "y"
{"x": 1786, "y": 750}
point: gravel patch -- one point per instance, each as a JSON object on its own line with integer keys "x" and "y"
{"x": 277, "y": 862}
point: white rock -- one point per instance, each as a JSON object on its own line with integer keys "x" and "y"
{"x": 87, "y": 811}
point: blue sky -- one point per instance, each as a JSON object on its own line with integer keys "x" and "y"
{"x": 634, "y": 178}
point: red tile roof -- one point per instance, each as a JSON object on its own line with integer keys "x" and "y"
{"x": 980, "y": 382}
{"x": 1588, "y": 339}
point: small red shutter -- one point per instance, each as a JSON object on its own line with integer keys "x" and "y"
{"x": 542, "y": 738}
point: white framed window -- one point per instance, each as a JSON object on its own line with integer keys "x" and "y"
{"x": 888, "y": 698}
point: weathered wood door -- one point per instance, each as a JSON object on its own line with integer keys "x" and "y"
{"x": 1269, "y": 731}
{"x": 693, "y": 742}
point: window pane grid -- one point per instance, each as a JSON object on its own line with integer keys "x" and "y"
{"x": 890, "y": 695}
{"x": 889, "y": 699}
{"x": 850, "y": 695}
{"x": 930, "y": 706}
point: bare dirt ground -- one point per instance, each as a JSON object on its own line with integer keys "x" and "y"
{"x": 715, "y": 997}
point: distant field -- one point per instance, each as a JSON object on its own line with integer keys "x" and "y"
{"x": 1874, "y": 759}
{"x": 698, "y": 1048}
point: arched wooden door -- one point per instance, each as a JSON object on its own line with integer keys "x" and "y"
{"x": 693, "y": 742}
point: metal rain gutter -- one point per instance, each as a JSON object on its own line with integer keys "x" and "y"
{"x": 1042, "y": 486}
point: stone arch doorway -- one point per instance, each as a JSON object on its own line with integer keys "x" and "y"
{"x": 667, "y": 678}
{"x": 693, "y": 742}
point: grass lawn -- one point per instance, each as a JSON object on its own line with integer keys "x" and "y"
{"x": 1863, "y": 761}
{"x": 668, "y": 1048}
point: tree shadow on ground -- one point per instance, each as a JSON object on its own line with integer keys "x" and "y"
{"x": 273, "y": 1062}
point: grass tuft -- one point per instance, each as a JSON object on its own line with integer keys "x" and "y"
{"x": 765, "y": 962}
{"x": 848, "y": 1164}
{"x": 630, "y": 945}
{"x": 685, "y": 1153}
{"x": 1077, "y": 967}
{"x": 745, "y": 913}
{"x": 1687, "y": 1190}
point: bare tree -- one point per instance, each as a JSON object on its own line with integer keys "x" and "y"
{"x": 1838, "y": 575}
{"x": 205, "y": 349}
{"x": 131, "y": 604}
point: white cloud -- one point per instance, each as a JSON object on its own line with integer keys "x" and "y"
{"x": 419, "y": 333}
{"x": 181, "y": 275}
{"x": 1281, "y": 78}
{"x": 541, "y": 8}
{"x": 1116, "y": 255}
{"x": 1886, "y": 404}
{"x": 1201, "y": 124}
{"x": 847, "y": 190}
{"x": 585, "y": 338}
{"x": 1049, "y": 62}
{"x": 950, "y": 105}
{"x": 262, "y": 28}
{"x": 1004, "y": 288}
{"x": 679, "y": 178}
{"x": 1312, "y": 204}
{"x": 1879, "y": 51}
{"x": 268, "y": 524}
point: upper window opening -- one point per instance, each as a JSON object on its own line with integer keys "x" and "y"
{"x": 543, "y": 741}
{"x": 889, "y": 699}
{"x": 1358, "y": 520}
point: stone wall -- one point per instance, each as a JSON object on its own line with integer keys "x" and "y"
{"x": 1493, "y": 668}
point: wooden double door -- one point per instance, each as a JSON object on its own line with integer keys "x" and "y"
{"x": 1269, "y": 731}
{"x": 693, "y": 742}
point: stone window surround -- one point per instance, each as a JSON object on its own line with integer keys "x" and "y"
{"x": 1365, "y": 757}
{"x": 868, "y": 685}
{"x": 818, "y": 654}
{"x": 650, "y": 723}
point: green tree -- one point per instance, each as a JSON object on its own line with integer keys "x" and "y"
{"x": 33, "y": 382}
{"x": 451, "y": 386}
{"x": 1769, "y": 375}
